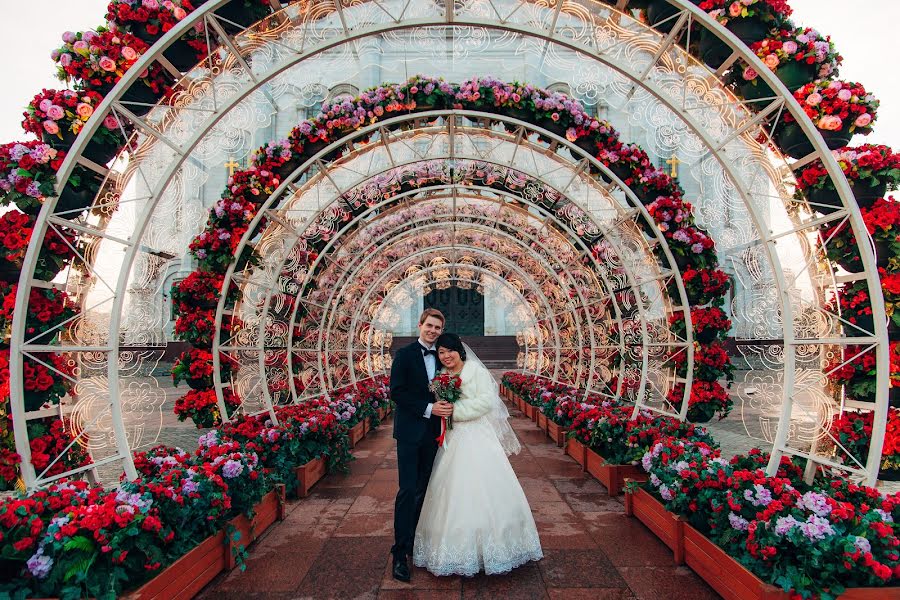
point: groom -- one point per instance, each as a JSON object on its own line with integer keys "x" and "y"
{"x": 416, "y": 426}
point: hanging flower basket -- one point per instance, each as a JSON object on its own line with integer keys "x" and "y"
{"x": 793, "y": 142}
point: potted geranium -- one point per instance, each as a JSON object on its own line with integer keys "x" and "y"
{"x": 711, "y": 362}
{"x": 96, "y": 60}
{"x": 855, "y": 368}
{"x": 839, "y": 109}
{"x": 882, "y": 220}
{"x": 796, "y": 56}
{"x": 703, "y": 286}
{"x": 16, "y": 228}
{"x": 707, "y": 399}
{"x": 691, "y": 247}
{"x": 198, "y": 327}
{"x": 201, "y": 289}
{"x": 47, "y": 308}
{"x": 852, "y": 432}
{"x": 709, "y": 323}
{"x": 202, "y": 407}
{"x": 58, "y": 117}
{"x": 149, "y": 20}
{"x": 870, "y": 170}
{"x": 195, "y": 367}
{"x": 28, "y": 174}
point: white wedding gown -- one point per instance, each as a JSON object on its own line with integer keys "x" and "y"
{"x": 475, "y": 516}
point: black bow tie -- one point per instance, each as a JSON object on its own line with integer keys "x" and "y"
{"x": 426, "y": 351}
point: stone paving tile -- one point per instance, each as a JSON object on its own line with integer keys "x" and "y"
{"x": 335, "y": 543}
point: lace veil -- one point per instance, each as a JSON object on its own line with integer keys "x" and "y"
{"x": 499, "y": 415}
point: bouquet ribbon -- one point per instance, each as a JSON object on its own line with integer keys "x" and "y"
{"x": 441, "y": 438}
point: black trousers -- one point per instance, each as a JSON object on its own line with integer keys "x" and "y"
{"x": 414, "y": 462}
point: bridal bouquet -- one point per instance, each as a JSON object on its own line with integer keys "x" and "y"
{"x": 448, "y": 388}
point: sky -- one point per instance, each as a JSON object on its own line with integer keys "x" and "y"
{"x": 865, "y": 37}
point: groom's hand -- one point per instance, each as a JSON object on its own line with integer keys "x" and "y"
{"x": 442, "y": 409}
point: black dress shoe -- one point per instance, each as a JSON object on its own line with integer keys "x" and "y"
{"x": 401, "y": 569}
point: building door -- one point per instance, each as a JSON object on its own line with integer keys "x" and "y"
{"x": 463, "y": 309}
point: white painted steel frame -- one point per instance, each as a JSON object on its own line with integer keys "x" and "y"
{"x": 689, "y": 14}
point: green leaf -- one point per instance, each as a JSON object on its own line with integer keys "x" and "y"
{"x": 80, "y": 542}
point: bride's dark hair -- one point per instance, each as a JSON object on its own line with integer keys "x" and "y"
{"x": 451, "y": 341}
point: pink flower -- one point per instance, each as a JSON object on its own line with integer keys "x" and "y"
{"x": 45, "y": 105}
{"x": 51, "y": 127}
{"x": 863, "y": 120}
{"x": 84, "y": 111}
{"x": 110, "y": 122}
{"x": 750, "y": 74}
{"x": 830, "y": 123}
{"x": 571, "y": 134}
{"x": 845, "y": 95}
{"x": 735, "y": 9}
{"x": 89, "y": 36}
{"x": 107, "y": 64}
{"x": 65, "y": 59}
{"x": 56, "y": 112}
{"x": 555, "y": 116}
{"x": 69, "y": 37}
{"x": 150, "y": 4}
{"x": 771, "y": 61}
{"x": 814, "y": 99}
{"x": 129, "y": 53}
{"x": 179, "y": 13}
{"x": 790, "y": 46}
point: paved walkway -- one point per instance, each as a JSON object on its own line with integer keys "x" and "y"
{"x": 335, "y": 543}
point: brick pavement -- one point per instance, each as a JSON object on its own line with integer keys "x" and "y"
{"x": 335, "y": 543}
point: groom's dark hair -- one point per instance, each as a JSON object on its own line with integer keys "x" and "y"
{"x": 451, "y": 341}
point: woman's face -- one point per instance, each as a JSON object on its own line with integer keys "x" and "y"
{"x": 449, "y": 358}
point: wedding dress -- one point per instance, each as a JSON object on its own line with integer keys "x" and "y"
{"x": 475, "y": 516}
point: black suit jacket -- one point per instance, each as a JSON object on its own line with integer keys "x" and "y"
{"x": 409, "y": 391}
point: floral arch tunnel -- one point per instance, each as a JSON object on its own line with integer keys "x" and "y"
{"x": 728, "y": 256}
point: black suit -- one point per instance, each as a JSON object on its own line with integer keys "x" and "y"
{"x": 416, "y": 441}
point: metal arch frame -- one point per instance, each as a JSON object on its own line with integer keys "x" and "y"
{"x": 474, "y": 116}
{"x": 550, "y": 216}
{"x": 549, "y": 35}
{"x": 493, "y": 232}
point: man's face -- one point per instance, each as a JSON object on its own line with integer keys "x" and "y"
{"x": 430, "y": 329}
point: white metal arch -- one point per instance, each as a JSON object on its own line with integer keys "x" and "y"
{"x": 552, "y": 36}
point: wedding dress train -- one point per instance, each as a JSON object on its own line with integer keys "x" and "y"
{"x": 475, "y": 516}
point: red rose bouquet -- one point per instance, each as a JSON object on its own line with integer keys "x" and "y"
{"x": 448, "y": 388}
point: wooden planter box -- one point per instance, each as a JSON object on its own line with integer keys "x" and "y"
{"x": 541, "y": 420}
{"x": 556, "y": 433}
{"x": 577, "y": 450}
{"x": 382, "y": 413}
{"x": 367, "y": 425}
{"x": 529, "y": 412}
{"x": 722, "y": 572}
{"x": 184, "y": 578}
{"x": 356, "y": 433}
{"x": 612, "y": 476}
{"x": 309, "y": 474}
{"x": 651, "y": 512}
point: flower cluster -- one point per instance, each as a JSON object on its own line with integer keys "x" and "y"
{"x": 28, "y": 174}
{"x": 727, "y": 11}
{"x": 778, "y": 527}
{"x": 835, "y": 105}
{"x": 59, "y": 115}
{"x": 707, "y": 399}
{"x": 852, "y": 433}
{"x": 803, "y": 46}
{"x": 202, "y": 406}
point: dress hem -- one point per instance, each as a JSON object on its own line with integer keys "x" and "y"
{"x": 468, "y": 572}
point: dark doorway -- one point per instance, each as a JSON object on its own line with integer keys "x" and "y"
{"x": 463, "y": 309}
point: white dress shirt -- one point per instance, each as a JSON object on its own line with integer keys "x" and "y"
{"x": 430, "y": 368}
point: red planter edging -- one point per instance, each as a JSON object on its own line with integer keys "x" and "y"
{"x": 723, "y": 573}
{"x": 309, "y": 474}
{"x": 356, "y": 433}
{"x": 578, "y": 451}
{"x": 556, "y": 433}
{"x": 612, "y": 476}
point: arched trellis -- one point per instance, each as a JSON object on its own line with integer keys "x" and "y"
{"x": 551, "y": 35}
{"x": 450, "y": 125}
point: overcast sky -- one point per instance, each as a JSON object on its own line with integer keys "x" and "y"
{"x": 865, "y": 36}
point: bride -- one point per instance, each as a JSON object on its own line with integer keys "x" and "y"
{"x": 475, "y": 516}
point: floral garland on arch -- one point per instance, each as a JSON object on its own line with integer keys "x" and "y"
{"x": 560, "y": 114}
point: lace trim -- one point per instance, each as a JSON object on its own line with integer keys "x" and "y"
{"x": 470, "y": 558}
